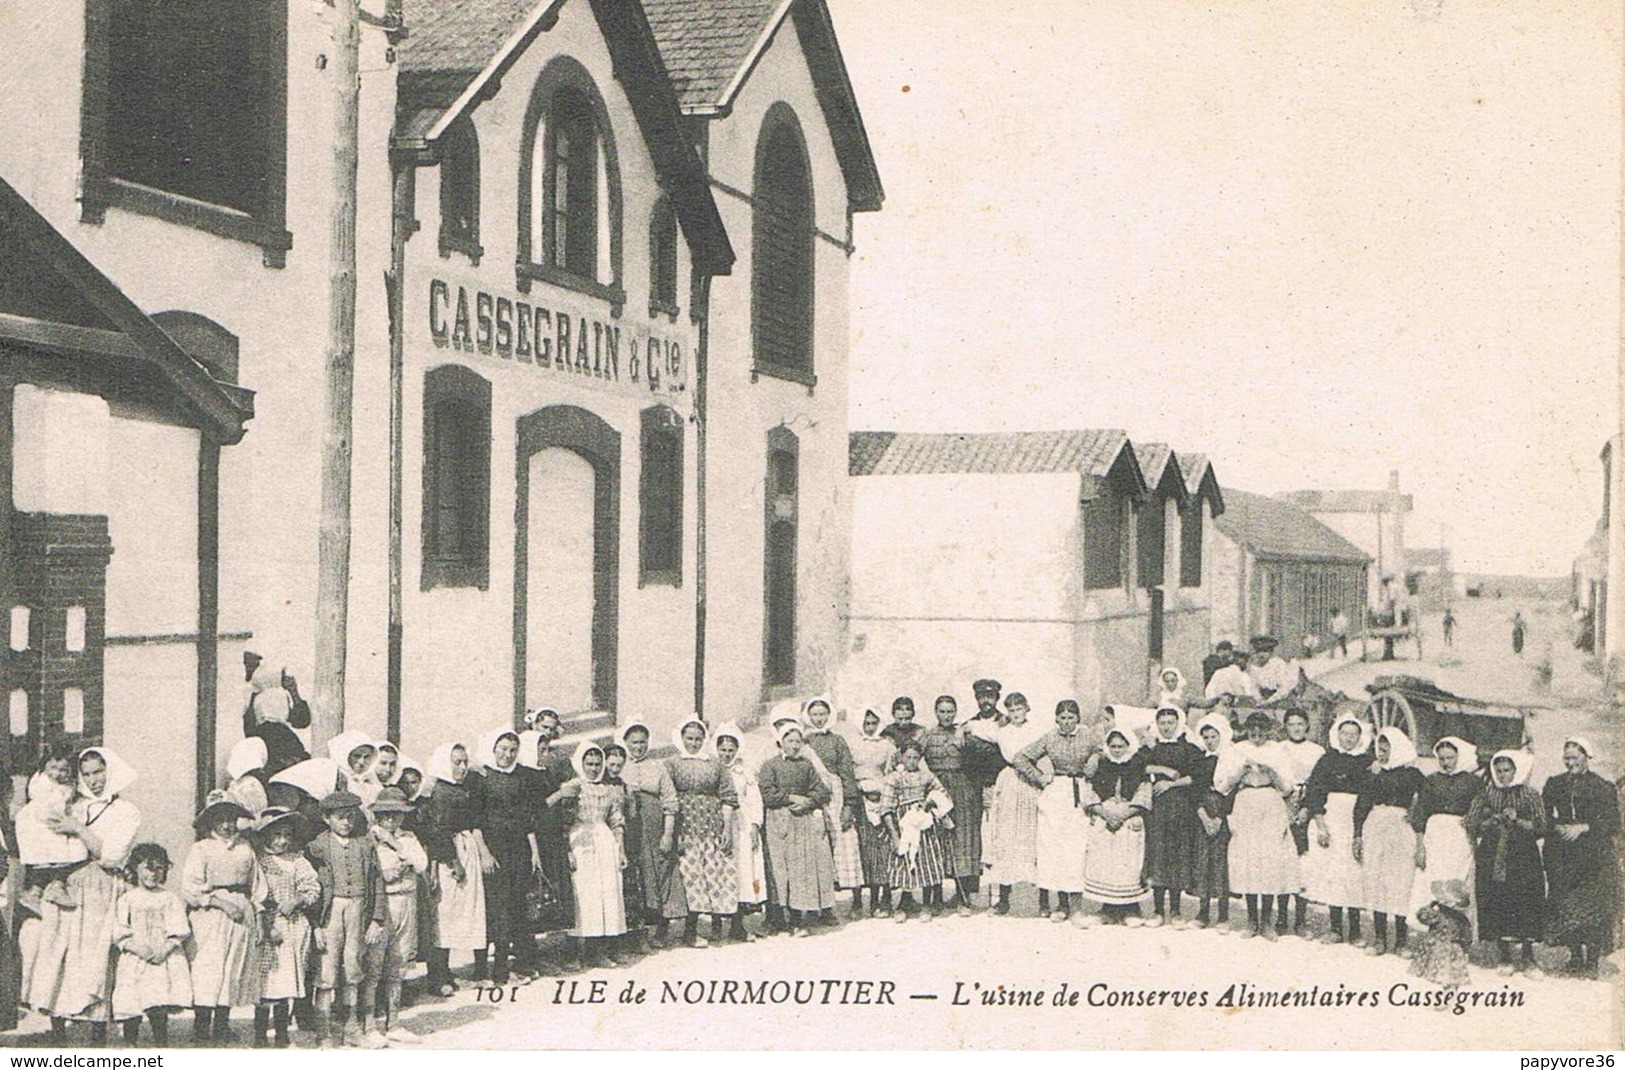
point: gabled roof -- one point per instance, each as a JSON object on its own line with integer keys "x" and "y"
{"x": 1093, "y": 454}
{"x": 56, "y": 302}
{"x": 1157, "y": 463}
{"x": 457, "y": 52}
{"x": 712, "y": 46}
{"x": 1200, "y": 479}
{"x": 1274, "y": 529}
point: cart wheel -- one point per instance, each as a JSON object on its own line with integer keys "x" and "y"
{"x": 1390, "y": 708}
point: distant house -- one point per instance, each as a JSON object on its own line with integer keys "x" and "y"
{"x": 1279, "y": 571}
{"x": 1430, "y": 577}
{"x": 1046, "y": 559}
{"x": 1597, "y": 571}
{"x": 1373, "y": 520}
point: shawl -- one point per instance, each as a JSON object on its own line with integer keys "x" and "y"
{"x": 1484, "y": 818}
{"x": 271, "y": 700}
{"x": 1113, "y": 777}
{"x": 120, "y": 775}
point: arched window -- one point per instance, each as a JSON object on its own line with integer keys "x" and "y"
{"x": 460, "y": 191}
{"x": 663, "y": 259}
{"x": 782, "y": 250}
{"x": 569, "y": 188}
{"x": 456, "y": 478}
{"x": 779, "y": 558}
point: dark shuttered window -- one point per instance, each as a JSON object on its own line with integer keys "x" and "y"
{"x": 660, "y": 493}
{"x": 782, "y": 251}
{"x": 1150, "y": 540}
{"x": 460, "y": 191}
{"x": 1190, "y": 544}
{"x": 663, "y": 259}
{"x": 1105, "y": 535}
{"x": 456, "y": 478}
{"x": 779, "y": 564}
{"x": 572, "y": 185}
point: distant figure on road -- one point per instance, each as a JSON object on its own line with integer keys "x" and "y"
{"x": 1340, "y": 634}
{"x": 1517, "y": 633}
{"x": 1449, "y": 627}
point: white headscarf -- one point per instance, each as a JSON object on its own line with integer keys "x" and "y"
{"x": 423, "y": 779}
{"x": 1401, "y": 751}
{"x": 1360, "y": 747}
{"x": 1220, "y": 723}
{"x": 578, "y": 761}
{"x": 1180, "y": 731}
{"x": 315, "y": 777}
{"x": 806, "y": 716}
{"x": 785, "y": 728}
{"x": 1522, "y": 764}
{"x": 340, "y": 746}
{"x": 1127, "y": 737}
{"x": 381, "y": 745}
{"x": 120, "y": 775}
{"x": 246, "y": 756}
{"x": 731, "y": 731}
{"x": 485, "y": 752}
{"x": 1174, "y": 696}
{"x": 682, "y": 748}
{"x": 439, "y": 767}
{"x": 1585, "y": 745}
{"x": 880, "y": 723}
{"x": 1466, "y": 754}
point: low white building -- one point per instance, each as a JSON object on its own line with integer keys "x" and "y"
{"x": 1373, "y": 520}
{"x": 1041, "y": 558}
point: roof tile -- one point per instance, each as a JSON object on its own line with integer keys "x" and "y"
{"x": 706, "y": 42}
{"x": 1271, "y": 527}
{"x": 884, "y": 453}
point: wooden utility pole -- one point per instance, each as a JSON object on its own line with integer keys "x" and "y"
{"x": 333, "y": 544}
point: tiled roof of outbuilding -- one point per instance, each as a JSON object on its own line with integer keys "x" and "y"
{"x": 1273, "y": 528}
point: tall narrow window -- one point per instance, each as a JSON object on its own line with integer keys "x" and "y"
{"x": 1150, "y": 540}
{"x": 569, "y": 219}
{"x": 1105, "y": 533}
{"x": 184, "y": 114}
{"x": 1190, "y": 543}
{"x": 779, "y": 572}
{"x": 782, "y": 251}
{"x": 456, "y": 478}
{"x": 572, "y": 186}
{"x": 460, "y": 191}
{"x": 660, "y": 493}
{"x": 663, "y": 259}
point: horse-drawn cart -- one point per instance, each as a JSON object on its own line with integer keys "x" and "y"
{"x": 1427, "y": 713}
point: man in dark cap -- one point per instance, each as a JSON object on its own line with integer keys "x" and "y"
{"x": 982, "y": 761}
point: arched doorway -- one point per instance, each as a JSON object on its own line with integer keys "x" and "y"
{"x": 566, "y": 561}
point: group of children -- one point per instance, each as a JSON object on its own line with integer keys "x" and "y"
{"x": 310, "y": 891}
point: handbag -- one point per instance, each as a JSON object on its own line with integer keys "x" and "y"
{"x": 545, "y": 909}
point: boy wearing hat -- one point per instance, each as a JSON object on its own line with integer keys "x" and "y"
{"x": 353, "y": 914}
{"x": 401, "y": 858}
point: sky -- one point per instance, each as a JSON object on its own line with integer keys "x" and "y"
{"x": 1315, "y": 241}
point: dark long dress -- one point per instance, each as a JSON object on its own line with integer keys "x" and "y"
{"x": 1510, "y": 885}
{"x": 552, "y": 826}
{"x": 510, "y": 800}
{"x": 947, "y": 751}
{"x": 1210, "y": 876}
{"x": 1171, "y": 829}
{"x": 1584, "y": 873}
{"x": 800, "y": 866}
